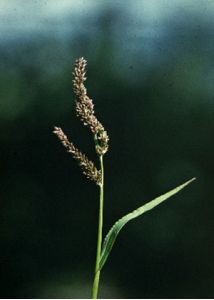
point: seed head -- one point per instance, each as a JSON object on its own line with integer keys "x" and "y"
{"x": 85, "y": 107}
{"x": 86, "y": 165}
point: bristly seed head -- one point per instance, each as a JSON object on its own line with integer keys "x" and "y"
{"x": 85, "y": 108}
{"x": 86, "y": 165}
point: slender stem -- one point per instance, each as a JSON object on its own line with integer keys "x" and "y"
{"x": 99, "y": 238}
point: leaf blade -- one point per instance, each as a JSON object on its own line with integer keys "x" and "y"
{"x": 115, "y": 229}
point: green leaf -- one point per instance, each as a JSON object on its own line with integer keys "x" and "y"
{"x": 113, "y": 232}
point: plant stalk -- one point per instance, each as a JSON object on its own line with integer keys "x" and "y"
{"x": 99, "y": 237}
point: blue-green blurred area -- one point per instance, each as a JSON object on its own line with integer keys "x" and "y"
{"x": 150, "y": 74}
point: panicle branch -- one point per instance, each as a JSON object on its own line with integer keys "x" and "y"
{"x": 86, "y": 165}
{"x": 85, "y": 107}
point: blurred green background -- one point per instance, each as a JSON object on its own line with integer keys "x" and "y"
{"x": 150, "y": 74}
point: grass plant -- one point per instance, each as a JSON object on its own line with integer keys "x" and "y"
{"x": 85, "y": 111}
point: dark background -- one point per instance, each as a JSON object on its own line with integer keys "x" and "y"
{"x": 150, "y": 74}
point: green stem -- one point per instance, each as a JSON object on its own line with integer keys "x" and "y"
{"x": 99, "y": 238}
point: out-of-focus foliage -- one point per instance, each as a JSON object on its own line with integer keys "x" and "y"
{"x": 150, "y": 73}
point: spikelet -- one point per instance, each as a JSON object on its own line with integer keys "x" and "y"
{"x": 86, "y": 165}
{"x": 85, "y": 108}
